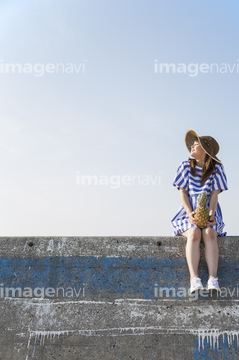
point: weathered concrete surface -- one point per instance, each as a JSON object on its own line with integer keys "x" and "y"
{"x": 103, "y": 298}
{"x": 160, "y": 247}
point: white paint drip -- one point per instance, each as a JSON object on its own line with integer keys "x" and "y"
{"x": 212, "y": 337}
{"x": 61, "y": 245}
{"x": 205, "y": 335}
{"x": 50, "y": 247}
{"x": 24, "y": 249}
{"x": 42, "y": 336}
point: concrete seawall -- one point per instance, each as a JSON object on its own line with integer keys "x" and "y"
{"x": 114, "y": 298}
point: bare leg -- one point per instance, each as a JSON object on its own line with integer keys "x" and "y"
{"x": 209, "y": 236}
{"x": 193, "y": 236}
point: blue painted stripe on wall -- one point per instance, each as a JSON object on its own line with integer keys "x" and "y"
{"x": 108, "y": 277}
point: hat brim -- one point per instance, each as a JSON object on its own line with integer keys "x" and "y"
{"x": 190, "y": 137}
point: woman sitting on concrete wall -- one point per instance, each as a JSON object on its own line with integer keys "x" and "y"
{"x": 202, "y": 173}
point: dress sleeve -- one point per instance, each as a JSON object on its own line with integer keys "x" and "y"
{"x": 181, "y": 177}
{"x": 219, "y": 181}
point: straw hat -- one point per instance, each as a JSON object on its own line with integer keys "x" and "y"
{"x": 208, "y": 143}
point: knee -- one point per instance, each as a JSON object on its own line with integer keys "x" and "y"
{"x": 209, "y": 234}
{"x": 195, "y": 234}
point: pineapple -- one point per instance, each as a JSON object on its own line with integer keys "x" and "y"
{"x": 201, "y": 212}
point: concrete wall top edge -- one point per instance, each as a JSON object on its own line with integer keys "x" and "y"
{"x": 115, "y": 246}
{"x": 106, "y": 237}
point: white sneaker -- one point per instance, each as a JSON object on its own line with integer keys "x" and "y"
{"x": 212, "y": 284}
{"x": 196, "y": 284}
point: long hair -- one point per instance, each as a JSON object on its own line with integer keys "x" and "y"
{"x": 208, "y": 168}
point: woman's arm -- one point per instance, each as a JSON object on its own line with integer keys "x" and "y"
{"x": 213, "y": 202}
{"x": 187, "y": 206}
{"x": 212, "y": 207}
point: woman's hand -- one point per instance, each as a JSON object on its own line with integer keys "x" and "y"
{"x": 211, "y": 221}
{"x": 192, "y": 219}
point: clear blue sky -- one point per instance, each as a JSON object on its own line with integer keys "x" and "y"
{"x": 114, "y": 116}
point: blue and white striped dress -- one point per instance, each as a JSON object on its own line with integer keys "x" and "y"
{"x": 186, "y": 180}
